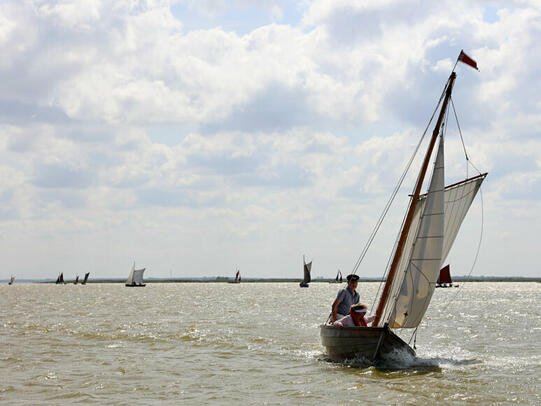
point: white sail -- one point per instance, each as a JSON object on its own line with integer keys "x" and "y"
{"x": 129, "y": 281}
{"x": 138, "y": 276}
{"x": 458, "y": 200}
{"x": 419, "y": 266}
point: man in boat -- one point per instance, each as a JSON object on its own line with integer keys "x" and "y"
{"x": 357, "y": 317}
{"x": 345, "y": 298}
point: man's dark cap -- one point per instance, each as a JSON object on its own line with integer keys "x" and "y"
{"x": 352, "y": 278}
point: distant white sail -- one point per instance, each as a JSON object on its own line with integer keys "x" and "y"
{"x": 136, "y": 276}
{"x": 129, "y": 281}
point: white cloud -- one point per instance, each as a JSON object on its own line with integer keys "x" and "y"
{"x": 282, "y": 140}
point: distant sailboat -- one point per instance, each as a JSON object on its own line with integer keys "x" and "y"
{"x": 76, "y": 280}
{"x": 338, "y": 277}
{"x": 307, "y": 277}
{"x": 136, "y": 277}
{"x": 425, "y": 238}
{"x": 60, "y": 279}
{"x": 444, "y": 280}
{"x": 12, "y": 279}
{"x": 85, "y": 279}
{"x": 237, "y": 277}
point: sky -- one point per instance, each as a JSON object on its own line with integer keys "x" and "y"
{"x": 196, "y": 137}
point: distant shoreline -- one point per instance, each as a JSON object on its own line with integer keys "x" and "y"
{"x": 221, "y": 279}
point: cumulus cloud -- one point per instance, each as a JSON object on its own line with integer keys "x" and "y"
{"x": 283, "y": 137}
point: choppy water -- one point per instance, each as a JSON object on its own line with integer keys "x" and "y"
{"x": 256, "y": 343}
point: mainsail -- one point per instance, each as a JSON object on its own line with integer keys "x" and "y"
{"x": 11, "y": 280}
{"x": 307, "y": 269}
{"x": 138, "y": 276}
{"x": 458, "y": 198}
{"x": 339, "y": 276}
{"x": 415, "y": 280}
{"x": 85, "y": 279}
{"x": 60, "y": 278}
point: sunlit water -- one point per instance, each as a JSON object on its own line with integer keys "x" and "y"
{"x": 257, "y": 343}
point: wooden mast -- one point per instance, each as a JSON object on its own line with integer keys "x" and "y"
{"x": 413, "y": 203}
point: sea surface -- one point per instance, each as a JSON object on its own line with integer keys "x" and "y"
{"x": 257, "y": 344}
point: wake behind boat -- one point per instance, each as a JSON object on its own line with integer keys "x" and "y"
{"x": 429, "y": 229}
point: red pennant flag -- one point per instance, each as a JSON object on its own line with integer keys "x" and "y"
{"x": 467, "y": 60}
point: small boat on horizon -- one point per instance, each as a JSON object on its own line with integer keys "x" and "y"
{"x": 85, "y": 278}
{"x": 238, "y": 278}
{"x": 444, "y": 279}
{"x": 60, "y": 279}
{"x": 76, "y": 281}
{"x": 135, "y": 279}
{"x": 11, "y": 280}
{"x": 307, "y": 269}
{"x": 338, "y": 278}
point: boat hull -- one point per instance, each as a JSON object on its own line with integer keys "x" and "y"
{"x": 371, "y": 343}
{"x": 136, "y": 286}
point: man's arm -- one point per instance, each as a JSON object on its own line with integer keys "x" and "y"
{"x": 335, "y": 309}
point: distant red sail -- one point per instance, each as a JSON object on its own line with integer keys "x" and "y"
{"x": 467, "y": 60}
{"x": 445, "y": 275}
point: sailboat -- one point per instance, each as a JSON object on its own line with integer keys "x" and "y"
{"x": 60, "y": 279}
{"x": 76, "y": 281}
{"x": 307, "y": 277}
{"x": 85, "y": 278}
{"x": 427, "y": 233}
{"x": 11, "y": 280}
{"x": 136, "y": 277}
{"x": 338, "y": 278}
{"x": 444, "y": 279}
{"x": 237, "y": 278}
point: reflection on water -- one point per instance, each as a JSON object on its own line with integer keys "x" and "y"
{"x": 256, "y": 344}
